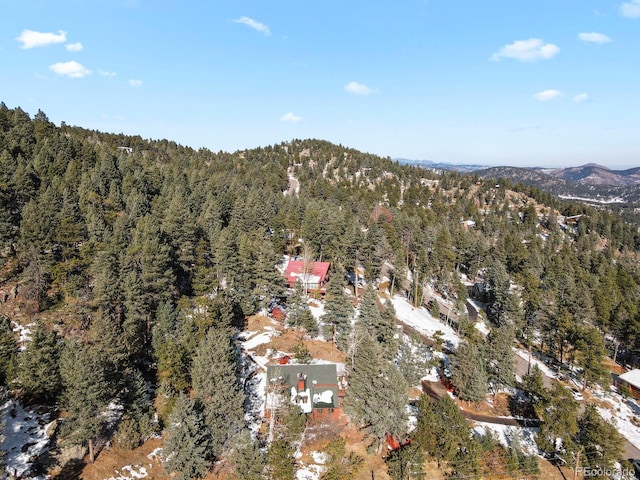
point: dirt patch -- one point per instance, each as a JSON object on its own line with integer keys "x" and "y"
{"x": 111, "y": 462}
{"x": 320, "y": 349}
{"x": 497, "y": 405}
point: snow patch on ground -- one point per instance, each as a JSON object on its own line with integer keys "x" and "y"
{"x": 129, "y": 472}
{"x": 422, "y": 321}
{"x": 254, "y": 340}
{"x": 24, "y": 333}
{"x": 25, "y": 437}
{"x": 482, "y": 327}
{"x": 156, "y": 453}
{"x": 621, "y": 413}
{"x": 506, "y": 435}
{"x": 312, "y": 471}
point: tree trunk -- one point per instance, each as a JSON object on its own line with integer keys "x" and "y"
{"x": 91, "y": 453}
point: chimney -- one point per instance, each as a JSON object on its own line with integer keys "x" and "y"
{"x": 301, "y": 382}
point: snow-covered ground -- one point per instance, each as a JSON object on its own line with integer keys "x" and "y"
{"x": 25, "y": 438}
{"x": 620, "y": 414}
{"x": 421, "y": 320}
{"x": 312, "y": 471}
{"x": 506, "y": 435}
{"x": 24, "y": 333}
{"x": 129, "y": 472}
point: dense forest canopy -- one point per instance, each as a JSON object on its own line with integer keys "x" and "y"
{"x": 129, "y": 253}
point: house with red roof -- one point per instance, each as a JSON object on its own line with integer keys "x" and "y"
{"x": 313, "y": 276}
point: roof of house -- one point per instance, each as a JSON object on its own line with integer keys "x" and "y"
{"x": 632, "y": 377}
{"x": 323, "y": 374}
{"x": 320, "y": 384}
{"x": 296, "y": 269}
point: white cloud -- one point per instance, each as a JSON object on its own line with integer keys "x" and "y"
{"x": 135, "y": 83}
{"x": 104, "y": 73}
{"x": 358, "y": 88}
{"x": 527, "y": 50}
{"x": 74, "y": 47}
{"x": 31, "y": 39}
{"x": 250, "y": 22}
{"x": 547, "y": 95}
{"x": 631, "y": 9}
{"x": 291, "y": 118}
{"x": 594, "y": 37}
{"x": 70, "y": 69}
{"x": 581, "y": 98}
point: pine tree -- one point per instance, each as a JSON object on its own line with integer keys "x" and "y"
{"x": 412, "y": 359}
{"x": 248, "y": 459}
{"x": 591, "y": 353}
{"x": 469, "y": 374}
{"x": 501, "y": 356}
{"x": 281, "y": 463}
{"x": 86, "y": 393}
{"x": 341, "y": 465}
{"x": 377, "y": 393}
{"x": 601, "y": 443}
{"x": 268, "y": 281}
{"x": 188, "y": 446}
{"x": 8, "y": 351}
{"x": 338, "y": 312}
{"x": 406, "y": 463}
{"x": 215, "y": 384}
{"x": 559, "y": 415}
{"x": 108, "y": 343}
{"x": 38, "y": 366}
{"x": 381, "y": 326}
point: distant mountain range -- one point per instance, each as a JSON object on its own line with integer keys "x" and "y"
{"x": 591, "y": 183}
{"x": 440, "y": 166}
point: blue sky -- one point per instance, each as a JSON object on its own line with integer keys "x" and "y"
{"x": 535, "y": 83}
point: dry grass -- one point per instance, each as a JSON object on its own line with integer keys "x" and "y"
{"x": 499, "y": 406}
{"x": 288, "y": 338}
{"x": 111, "y": 461}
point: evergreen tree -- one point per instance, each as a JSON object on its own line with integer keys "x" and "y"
{"x": 380, "y": 325}
{"x": 559, "y": 415}
{"x": 281, "y": 463}
{"x": 469, "y": 373}
{"x": 591, "y": 354}
{"x": 338, "y": 312}
{"x": 501, "y": 357}
{"x": 38, "y": 371}
{"x": 341, "y": 465}
{"x": 298, "y": 314}
{"x": 8, "y": 351}
{"x": 412, "y": 359}
{"x": 302, "y": 353}
{"x": 602, "y": 445}
{"x": 215, "y": 384}
{"x": 377, "y": 393}
{"x": 86, "y": 393}
{"x": 248, "y": 459}
{"x": 188, "y": 448}
{"x": 268, "y": 281}
{"x": 406, "y": 463}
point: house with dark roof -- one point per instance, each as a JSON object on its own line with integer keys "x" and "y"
{"x": 313, "y": 276}
{"x": 317, "y": 389}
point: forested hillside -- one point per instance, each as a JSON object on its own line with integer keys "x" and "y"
{"x": 135, "y": 262}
